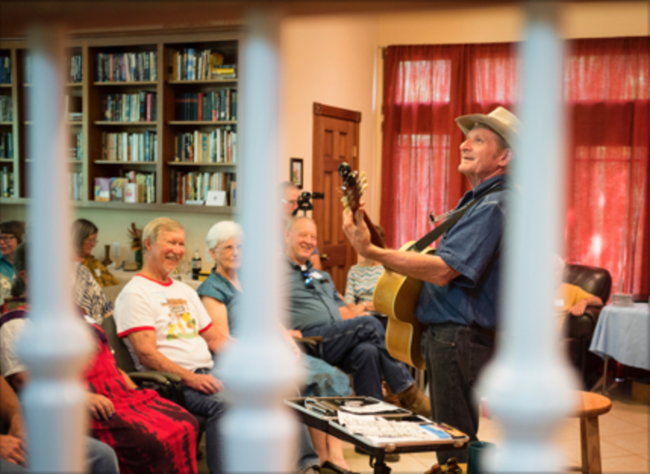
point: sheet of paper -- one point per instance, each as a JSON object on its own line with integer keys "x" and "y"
{"x": 381, "y": 407}
{"x": 381, "y": 430}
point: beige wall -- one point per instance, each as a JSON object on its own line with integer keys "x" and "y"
{"x": 328, "y": 60}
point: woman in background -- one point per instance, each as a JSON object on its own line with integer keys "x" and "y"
{"x": 362, "y": 279}
{"x": 85, "y": 239}
{"x": 11, "y": 236}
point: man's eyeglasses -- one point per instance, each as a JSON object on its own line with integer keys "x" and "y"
{"x": 309, "y": 281}
{"x": 7, "y": 237}
{"x": 293, "y": 202}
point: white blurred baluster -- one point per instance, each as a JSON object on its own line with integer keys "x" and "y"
{"x": 259, "y": 370}
{"x": 56, "y": 344}
{"x": 529, "y": 384}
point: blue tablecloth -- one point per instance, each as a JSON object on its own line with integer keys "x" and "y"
{"x": 624, "y": 334}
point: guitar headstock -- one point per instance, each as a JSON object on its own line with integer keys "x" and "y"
{"x": 351, "y": 192}
{"x": 353, "y": 187}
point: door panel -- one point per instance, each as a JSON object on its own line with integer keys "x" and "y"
{"x": 336, "y": 140}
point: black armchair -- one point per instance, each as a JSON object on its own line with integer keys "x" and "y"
{"x": 580, "y": 329}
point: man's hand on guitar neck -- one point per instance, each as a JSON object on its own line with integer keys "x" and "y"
{"x": 358, "y": 234}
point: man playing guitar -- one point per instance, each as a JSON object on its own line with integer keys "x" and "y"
{"x": 459, "y": 299}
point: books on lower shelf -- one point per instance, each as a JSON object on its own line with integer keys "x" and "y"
{"x": 6, "y": 108}
{"x": 206, "y": 106}
{"x": 194, "y": 186}
{"x": 132, "y": 187}
{"x": 140, "y": 107}
{"x": 126, "y": 146}
{"x": 7, "y": 179}
{"x": 126, "y": 67}
{"x": 217, "y": 146}
{"x": 6, "y": 145}
{"x": 75, "y": 183}
{"x": 5, "y": 70}
{"x": 193, "y": 65}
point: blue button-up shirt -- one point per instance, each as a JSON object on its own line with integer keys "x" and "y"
{"x": 314, "y": 305}
{"x": 473, "y": 247}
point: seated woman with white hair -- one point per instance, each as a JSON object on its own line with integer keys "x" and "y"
{"x": 221, "y": 294}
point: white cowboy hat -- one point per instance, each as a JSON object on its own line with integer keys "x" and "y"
{"x": 501, "y": 121}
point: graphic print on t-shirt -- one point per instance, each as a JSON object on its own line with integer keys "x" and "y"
{"x": 181, "y": 324}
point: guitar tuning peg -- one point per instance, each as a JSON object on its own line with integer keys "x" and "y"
{"x": 364, "y": 186}
{"x": 363, "y": 175}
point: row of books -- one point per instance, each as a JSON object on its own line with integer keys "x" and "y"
{"x": 75, "y": 183}
{"x": 6, "y": 145}
{"x": 206, "y": 106}
{"x": 126, "y": 146}
{"x": 194, "y": 186}
{"x": 73, "y": 68}
{"x": 126, "y": 67}
{"x": 5, "y": 70}
{"x": 6, "y": 108}
{"x": 76, "y": 147}
{"x": 140, "y": 107}
{"x": 133, "y": 187}
{"x": 193, "y": 65}
{"x": 217, "y": 146}
{"x": 7, "y": 179}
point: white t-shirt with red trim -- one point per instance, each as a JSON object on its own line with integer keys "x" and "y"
{"x": 173, "y": 310}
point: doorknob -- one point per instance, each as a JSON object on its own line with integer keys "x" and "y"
{"x": 324, "y": 256}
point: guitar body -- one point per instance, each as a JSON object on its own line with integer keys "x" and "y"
{"x": 397, "y": 297}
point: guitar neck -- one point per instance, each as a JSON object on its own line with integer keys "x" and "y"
{"x": 375, "y": 238}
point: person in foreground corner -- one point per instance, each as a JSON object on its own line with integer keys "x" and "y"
{"x": 459, "y": 299}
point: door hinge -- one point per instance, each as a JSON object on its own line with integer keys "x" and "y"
{"x": 354, "y": 151}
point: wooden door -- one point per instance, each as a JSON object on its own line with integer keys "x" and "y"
{"x": 336, "y": 139}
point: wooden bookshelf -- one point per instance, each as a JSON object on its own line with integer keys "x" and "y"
{"x": 129, "y": 163}
{"x": 202, "y": 81}
{"x": 216, "y": 165}
{"x": 126, "y": 83}
{"x": 187, "y": 123}
{"x": 93, "y": 128}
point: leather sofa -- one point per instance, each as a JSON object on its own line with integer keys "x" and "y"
{"x": 580, "y": 329}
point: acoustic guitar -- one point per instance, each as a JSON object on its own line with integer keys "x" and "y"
{"x": 395, "y": 295}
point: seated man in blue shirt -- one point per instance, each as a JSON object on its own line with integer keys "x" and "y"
{"x": 460, "y": 296}
{"x": 355, "y": 343}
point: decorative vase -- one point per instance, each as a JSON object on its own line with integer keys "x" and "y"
{"x": 107, "y": 258}
{"x": 138, "y": 258}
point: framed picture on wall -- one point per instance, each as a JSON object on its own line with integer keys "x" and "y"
{"x": 295, "y": 171}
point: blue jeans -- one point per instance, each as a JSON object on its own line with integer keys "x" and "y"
{"x": 211, "y": 407}
{"x": 101, "y": 460}
{"x": 358, "y": 346}
{"x": 455, "y": 355}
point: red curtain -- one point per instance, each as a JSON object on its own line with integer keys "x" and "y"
{"x": 606, "y": 90}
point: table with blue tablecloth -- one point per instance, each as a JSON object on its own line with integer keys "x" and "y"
{"x": 623, "y": 333}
